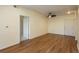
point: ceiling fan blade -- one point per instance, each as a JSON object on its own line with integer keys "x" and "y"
{"x": 53, "y": 15}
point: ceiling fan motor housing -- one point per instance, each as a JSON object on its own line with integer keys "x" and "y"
{"x": 52, "y": 15}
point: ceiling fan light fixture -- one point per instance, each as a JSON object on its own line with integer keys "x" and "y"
{"x": 49, "y": 16}
{"x": 68, "y": 12}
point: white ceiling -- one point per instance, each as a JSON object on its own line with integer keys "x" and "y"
{"x": 45, "y": 9}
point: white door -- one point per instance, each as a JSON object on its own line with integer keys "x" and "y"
{"x": 26, "y": 27}
{"x": 69, "y": 28}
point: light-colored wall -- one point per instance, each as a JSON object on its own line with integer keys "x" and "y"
{"x": 63, "y": 25}
{"x": 56, "y": 25}
{"x": 38, "y": 25}
{"x": 10, "y": 16}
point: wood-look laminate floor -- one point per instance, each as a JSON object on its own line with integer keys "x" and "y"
{"x": 50, "y": 43}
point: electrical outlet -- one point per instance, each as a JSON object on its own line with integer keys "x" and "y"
{"x": 6, "y": 26}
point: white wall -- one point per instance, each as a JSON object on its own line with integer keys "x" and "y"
{"x": 9, "y": 16}
{"x": 63, "y": 25}
{"x": 56, "y": 25}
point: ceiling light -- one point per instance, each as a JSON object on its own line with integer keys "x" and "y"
{"x": 49, "y": 16}
{"x": 68, "y": 12}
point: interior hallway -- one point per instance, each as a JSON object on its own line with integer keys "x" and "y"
{"x": 45, "y": 44}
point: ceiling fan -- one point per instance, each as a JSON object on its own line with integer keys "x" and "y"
{"x": 50, "y": 15}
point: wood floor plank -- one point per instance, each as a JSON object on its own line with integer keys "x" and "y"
{"x": 49, "y": 43}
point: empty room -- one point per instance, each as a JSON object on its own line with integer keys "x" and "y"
{"x": 39, "y": 29}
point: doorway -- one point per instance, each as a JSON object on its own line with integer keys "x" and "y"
{"x": 69, "y": 28}
{"x": 24, "y": 28}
